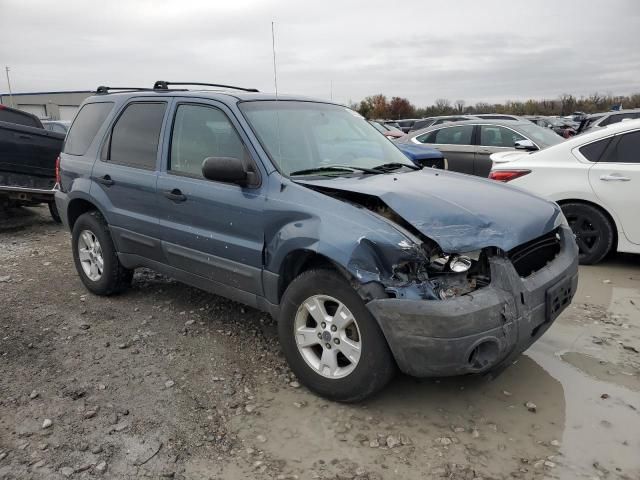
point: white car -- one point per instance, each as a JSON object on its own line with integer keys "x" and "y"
{"x": 594, "y": 177}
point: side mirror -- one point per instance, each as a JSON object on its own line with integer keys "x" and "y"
{"x": 525, "y": 145}
{"x": 224, "y": 169}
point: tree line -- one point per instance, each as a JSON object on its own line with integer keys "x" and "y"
{"x": 380, "y": 107}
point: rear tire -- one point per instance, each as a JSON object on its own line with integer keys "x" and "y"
{"x": 363, "y": 362}
{"x": 99, "y": 268}
{"x": 593, "y": 230}
{"x": 53, "y": 210}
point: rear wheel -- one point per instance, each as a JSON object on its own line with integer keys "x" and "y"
{"x": 95, "y": 256}
{"x": 593, "y": 230}
{"x": 53, "y": 210}
{"x": 330, "y": 339}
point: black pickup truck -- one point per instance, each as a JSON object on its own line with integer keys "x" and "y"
{"x": 28, "y": 156}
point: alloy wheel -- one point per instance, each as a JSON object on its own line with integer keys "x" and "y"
{"x": 90, "y": 255}
{"x": 327, "y": 336}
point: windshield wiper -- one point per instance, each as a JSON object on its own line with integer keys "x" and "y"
{"x": 388, "y": 167}
{"x": 335, "y": 168}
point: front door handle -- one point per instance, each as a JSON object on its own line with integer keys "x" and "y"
{"x": 106, "y": 180}
{"x": 614, "y": 178}
{"x": 484, "y": 150}
{"x": 175, "y": 195}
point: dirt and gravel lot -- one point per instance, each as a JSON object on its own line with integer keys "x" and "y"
{"x": 166, "y": 381}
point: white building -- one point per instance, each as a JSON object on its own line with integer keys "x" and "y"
{"x": 47, "y": 105}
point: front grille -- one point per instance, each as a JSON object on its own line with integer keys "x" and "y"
{"x": 530, "y": 257}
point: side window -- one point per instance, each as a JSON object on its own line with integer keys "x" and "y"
{"x": 460, "y": 135}
{"x": 495, "y": 136}
{"x": 200, "y": 132}
{"x": 611, "y": 119}
{"x": 85, "y": 126}
{"x": 627, "y": 150}
{"x": 594, "y": 151}
{"x": 135, "y": 136}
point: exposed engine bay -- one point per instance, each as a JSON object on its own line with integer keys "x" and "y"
{"x": 423, "y": 270}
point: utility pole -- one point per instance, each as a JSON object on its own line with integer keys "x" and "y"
{"x": 273, "y": 48}
{"x": 331, "y": 90}
{"x": 9, "y": 83}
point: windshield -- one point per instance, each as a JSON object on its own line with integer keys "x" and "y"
{"x": 544, "y": 137}
{"x": 302, "y": 136}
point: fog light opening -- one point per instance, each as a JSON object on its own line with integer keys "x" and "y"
{"x": 484, "y": 355}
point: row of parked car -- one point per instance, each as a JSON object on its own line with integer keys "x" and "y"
{"x": 594, "y": 176}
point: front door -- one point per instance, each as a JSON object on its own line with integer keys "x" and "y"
{"x": 455, "y": 144}
{"x": 492, "y": 139}
{"x": 615, "y": 179}
{"x": 124, "y": 179}
{"x": 210, "y": 229}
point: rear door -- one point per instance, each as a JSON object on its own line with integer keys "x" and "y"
{"x": 455, "y": 143}
{"x": 615, "y": 179}
{"x": 210, "y": 229}
{"x": 125, "y": 178}
{"x": 492, "y": 139}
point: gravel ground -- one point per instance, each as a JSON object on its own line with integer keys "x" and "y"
{"x": 165, "y": 381}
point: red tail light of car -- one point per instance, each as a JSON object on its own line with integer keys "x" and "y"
{"x": 507, "y": 175}
{"x": 58, "y": 170}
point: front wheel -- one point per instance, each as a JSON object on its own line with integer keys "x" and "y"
{"x": 330, "y": 339}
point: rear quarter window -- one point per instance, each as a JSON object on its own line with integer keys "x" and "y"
{"x": 85, "y": 126}
{"x": 594, "y": 151}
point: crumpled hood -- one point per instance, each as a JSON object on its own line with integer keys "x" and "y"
{"x": 460, "y": 212}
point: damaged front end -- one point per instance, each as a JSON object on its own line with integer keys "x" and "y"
{"x": 417, "y": 268}
{"x": 450, "y": 313}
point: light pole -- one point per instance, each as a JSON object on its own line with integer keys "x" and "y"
{"x": 9, "y": 83}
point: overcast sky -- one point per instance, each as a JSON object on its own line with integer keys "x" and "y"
{"x": 477, "y": 50}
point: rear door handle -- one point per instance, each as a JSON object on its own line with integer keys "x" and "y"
{"x": 175, "y": 195}
{"x": 23, "y": 136}
{"x": 106, "y": 180}
{"x": 614, "y": 178}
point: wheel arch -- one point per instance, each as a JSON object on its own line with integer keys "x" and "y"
{"x": 299, "y": 261}
{"x": 77, "y": 207}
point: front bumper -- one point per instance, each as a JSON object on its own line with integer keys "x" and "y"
{"x": 478, "y": 331}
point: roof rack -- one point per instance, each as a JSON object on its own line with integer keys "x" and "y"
{"x": 163, "y": 85}
{"x": 103, "y": 89}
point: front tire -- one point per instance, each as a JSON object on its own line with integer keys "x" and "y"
{"x": 593, "y": 230}
{"x": 95, "y": 256}
{"x": 330, "y": 339}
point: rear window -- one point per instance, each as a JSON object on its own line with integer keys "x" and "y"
{"x": 85, "y": 126}
{"x": 18, "y": 118}
{"x": 135, "y": 136}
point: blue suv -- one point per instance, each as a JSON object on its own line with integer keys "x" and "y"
{"x": 302, "y": 209}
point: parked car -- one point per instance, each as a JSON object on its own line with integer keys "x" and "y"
{"x": 303, "y": 210}
{"x": 496, "y": 116}
{"x": 600, "y": 120}
{"x": 424, "y": 155}
{"x": 430, "y": 121}
{"x": 28, "y": 155}
{"x": 595, "y": 178}
{"x": 60, "y": 126}
{"x": 387, "y": 130}
{"x": 406, "y": 124}
{"x": 467, "y": 145}
{"x": 561, "y": 125}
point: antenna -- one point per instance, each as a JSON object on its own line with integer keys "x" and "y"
{"x": 273, "y": 48}
{"x": 9, "y": 83}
